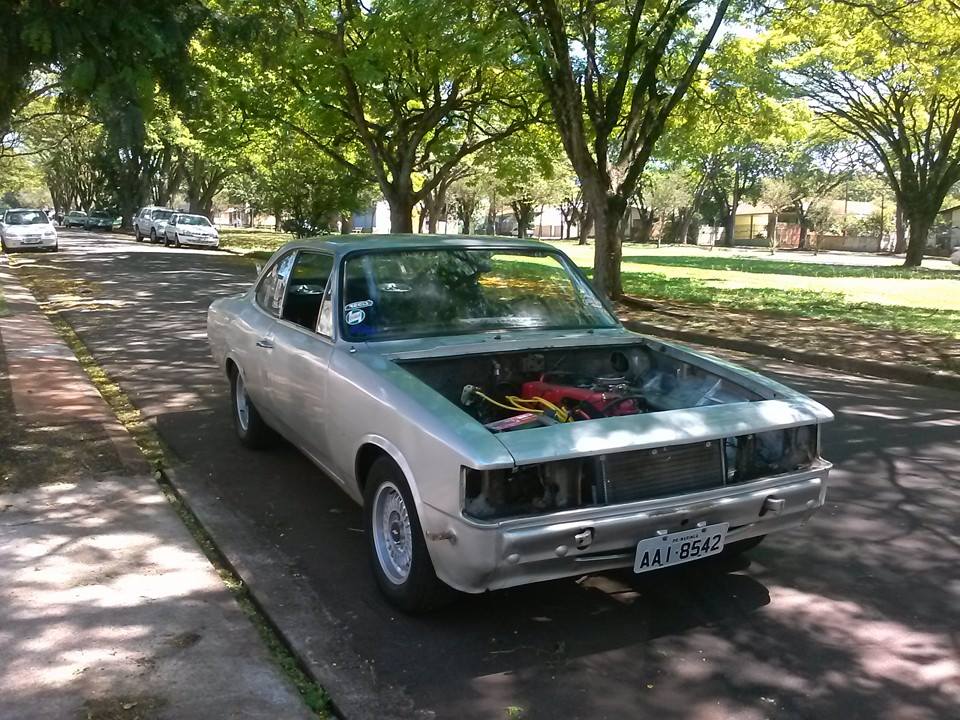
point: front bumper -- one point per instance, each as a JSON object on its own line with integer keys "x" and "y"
{"x": 200, "y": 241}
{"x": 14, "y": 242}
{"x": 474, "y": 557}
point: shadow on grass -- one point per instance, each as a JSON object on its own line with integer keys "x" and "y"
{"x": 785, "y": 267}
{"x": 799, "y": 303}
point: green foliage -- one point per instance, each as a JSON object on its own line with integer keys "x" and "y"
{"x": 887, "y": 74}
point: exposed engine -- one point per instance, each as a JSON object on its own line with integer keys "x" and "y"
{"x": 516, "y": 391}
{"x": 512, "y": 391}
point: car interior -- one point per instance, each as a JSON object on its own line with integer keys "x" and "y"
{"x": 305, "y": 288}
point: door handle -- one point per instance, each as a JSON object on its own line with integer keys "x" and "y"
{"x": 265, "y": 343}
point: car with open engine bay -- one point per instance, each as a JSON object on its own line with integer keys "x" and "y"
{"x": 496, "y": 421}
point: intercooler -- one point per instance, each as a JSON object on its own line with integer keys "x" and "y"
{"x": 662, "y": 472}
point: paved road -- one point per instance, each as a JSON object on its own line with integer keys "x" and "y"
{"x": 855, "y": 616}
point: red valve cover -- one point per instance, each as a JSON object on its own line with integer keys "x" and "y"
{"x": 557, "y": 394}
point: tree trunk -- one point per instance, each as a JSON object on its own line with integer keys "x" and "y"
{"x": 436, "y": 200}
{"x": 586, "y": 220}
{"x": 608, "y": 212}
{"x": 731, "y": 224}
{"x": 466, "y": 222}
{"x": 772, "y": 232}
{"x": 346, "y": 223}
{"x": 401, "y": 212}
{"x": 901, "y": 245}
{"x": 920, "y": 224}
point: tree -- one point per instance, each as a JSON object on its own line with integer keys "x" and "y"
{"x": 307, "y": 187}
{"x": 732, "y": 128}
{"x": 417, "y": 87}
{"x": 888, "y": 74}
{"x": 779, "y": 195}
{"x": 813, "y": 168}
{"x": 468, "y": 192}
{"x": 111, "y": 54}
{"x": 613, "y": 74}
{"x": 530, "y": 172}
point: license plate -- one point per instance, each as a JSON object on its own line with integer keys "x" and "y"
{"x": 679, "y": 547}
{"x": 30, "y": 241}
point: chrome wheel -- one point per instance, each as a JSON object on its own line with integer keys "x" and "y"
{"x": 391, "y": 533}
{"x": 242, "y": 403}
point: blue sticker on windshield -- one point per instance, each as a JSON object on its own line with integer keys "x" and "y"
{"x": 355, "y": 317}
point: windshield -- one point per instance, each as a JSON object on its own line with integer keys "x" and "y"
{"x": 193, "y": 220}
{"x": 26, "y": 217}
{"x": 101, "y": 214}
{"x": 414, "y": 293}
{"x": 162, "y": 214}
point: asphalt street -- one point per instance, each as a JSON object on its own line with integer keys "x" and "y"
{"x": 856, "y": 615}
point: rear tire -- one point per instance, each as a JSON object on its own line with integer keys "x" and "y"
{"x": 153, "y": 236}
{"x": 398, "y": 552}
{"x": 251, "y": 429}
{"x": 137, "y": 235}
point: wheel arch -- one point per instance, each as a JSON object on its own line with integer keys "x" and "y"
{"x": 373, "y": 447}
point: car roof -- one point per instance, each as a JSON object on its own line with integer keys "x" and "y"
{"x": 24, "y": 210}
{"x": 343, "y": 244}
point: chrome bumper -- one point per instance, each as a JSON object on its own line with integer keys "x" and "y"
{"x": 474, "y": 557}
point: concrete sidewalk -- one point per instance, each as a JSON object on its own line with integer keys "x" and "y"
{"x": 108, "y": 609}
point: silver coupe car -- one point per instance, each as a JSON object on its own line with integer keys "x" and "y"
{"x": 498, "y": 424}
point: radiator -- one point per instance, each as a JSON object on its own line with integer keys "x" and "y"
{"x": 662, "y": 472}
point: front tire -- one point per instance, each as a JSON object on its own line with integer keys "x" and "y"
{"x": 251, "y": 429}
{"x": 176, "y": 240}
{"x": 398, "y": 552}
{"x": 153, "y": 236}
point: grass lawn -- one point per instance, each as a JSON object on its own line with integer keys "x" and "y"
{"x": 257, "y": 242}
{"x": 877, "y": 294}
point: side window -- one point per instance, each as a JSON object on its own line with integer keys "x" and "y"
{"x": 325, "y": 323}
{"x": 273, "y": 284}
{"x": 305, "y": 291}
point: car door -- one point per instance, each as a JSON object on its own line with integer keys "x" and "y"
{"x": 301, "y": 354}
{"x": 256, "y": 351}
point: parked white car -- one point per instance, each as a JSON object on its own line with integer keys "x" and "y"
{"x": 955, "y": 258}
{"x": 188, "y": 229}
{"x": 150, "y": 222}
{"x": 27, "y": 229}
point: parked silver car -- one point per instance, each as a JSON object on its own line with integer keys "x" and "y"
{"x": 496, "y": 421}
{"x": 187, "y": 229}
{"x": 149, "y": 222}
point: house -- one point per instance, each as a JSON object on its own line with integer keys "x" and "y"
{"x": 751, "y": 225}
{"x": 946, "y": 234}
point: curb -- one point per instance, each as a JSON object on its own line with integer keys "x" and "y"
{"x": 166, "y": 478}
{"x": 889, "y": 371}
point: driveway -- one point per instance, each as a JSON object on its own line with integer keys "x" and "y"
{"x": 854, "y": 616}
